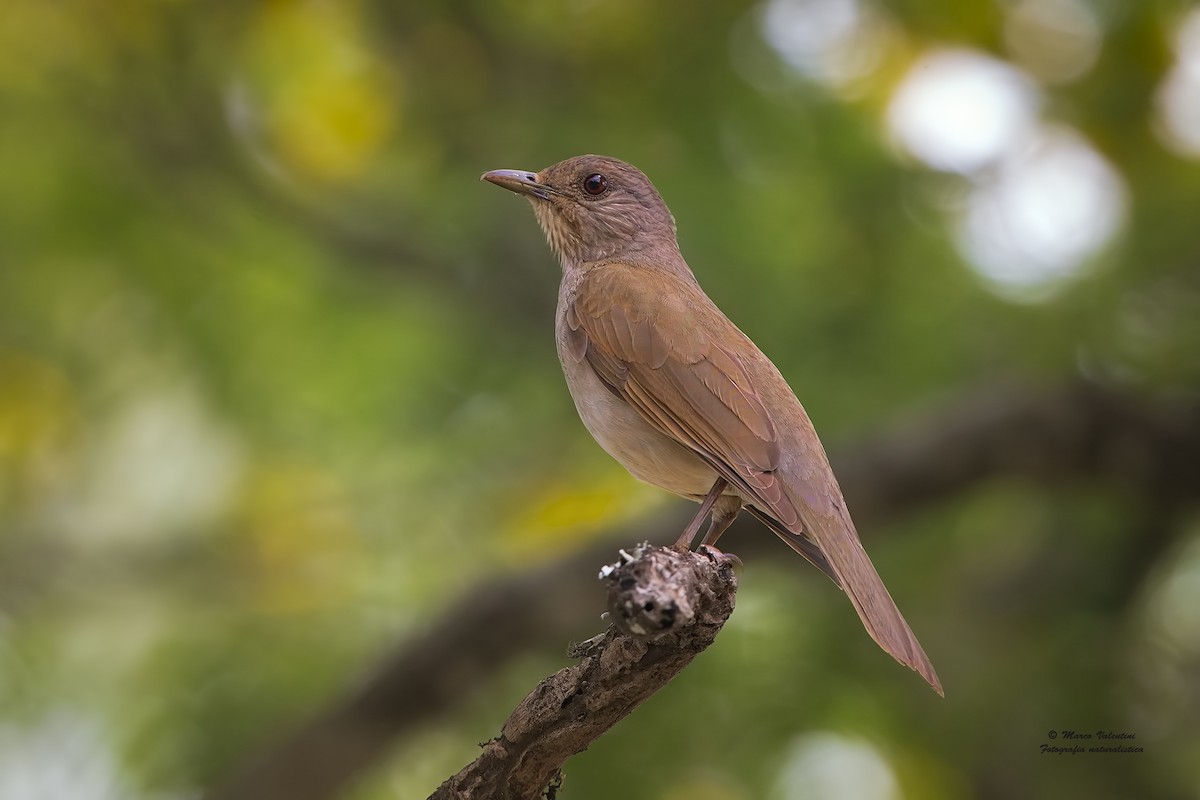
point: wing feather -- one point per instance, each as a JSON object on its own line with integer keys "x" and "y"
{"x": 689, "y": 387}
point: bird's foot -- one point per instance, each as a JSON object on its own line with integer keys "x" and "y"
{"x": 719, "y": 557}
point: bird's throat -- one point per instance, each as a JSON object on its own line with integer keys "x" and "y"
{"x": 557, "y": 230}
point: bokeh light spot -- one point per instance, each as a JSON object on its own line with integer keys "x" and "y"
{"x": 831, "y": 42}
{"x": 1057, "y": 40}
{"x": 1033, "y": 224}
{"x": 827, "y": 766}
{"x": 1178, "y": 97}
{"x": 958, "y": 110}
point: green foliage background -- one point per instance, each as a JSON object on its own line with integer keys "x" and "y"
{"x": 277, "y": 382}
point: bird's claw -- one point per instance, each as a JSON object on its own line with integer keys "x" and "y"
{"x": 719, "y": 557}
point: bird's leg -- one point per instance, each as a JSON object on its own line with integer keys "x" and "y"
{"x": 725, "y": 511}
{"x": 684, "y": 542}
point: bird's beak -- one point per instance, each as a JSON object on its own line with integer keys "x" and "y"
{"x": 519, "y": 181}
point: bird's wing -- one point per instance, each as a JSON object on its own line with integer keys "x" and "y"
{"x": 653, "y": 353}
{"x": 652, "y": 350}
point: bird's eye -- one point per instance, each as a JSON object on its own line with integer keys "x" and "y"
{"x": 595, "y": 184}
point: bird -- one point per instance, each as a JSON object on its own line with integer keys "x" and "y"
{"x": 678, "y": 395}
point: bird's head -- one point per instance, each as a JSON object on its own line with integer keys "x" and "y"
{"x": 593, "y": 208}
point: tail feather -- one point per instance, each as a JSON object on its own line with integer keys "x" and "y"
{"x": 881, "y": 617}
{"x": 833, "y": 547}
{"x": 871, "y": 600}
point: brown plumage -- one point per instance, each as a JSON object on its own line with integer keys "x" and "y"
{"x": 676, "y": 393}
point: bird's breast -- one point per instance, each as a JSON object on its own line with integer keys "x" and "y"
{"x": 648, "y": 454}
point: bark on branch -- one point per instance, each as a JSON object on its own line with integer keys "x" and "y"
{"x": 666, "y": 607}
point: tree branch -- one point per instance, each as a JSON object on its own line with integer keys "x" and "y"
{"x": 666, "y": 608}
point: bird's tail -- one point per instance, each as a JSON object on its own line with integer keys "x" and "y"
{"x": 843, "y": 558}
